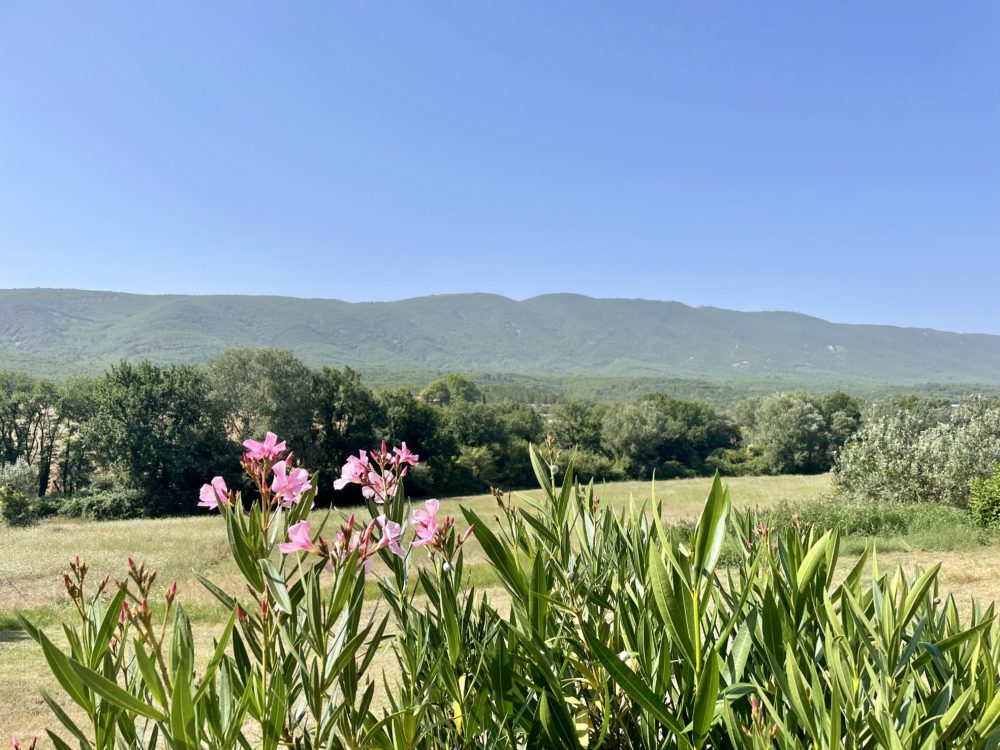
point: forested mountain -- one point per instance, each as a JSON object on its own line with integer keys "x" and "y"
{"x": 59, "y": 331}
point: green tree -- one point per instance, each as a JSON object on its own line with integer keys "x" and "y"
{"x": 452, "y": 389}
{"x": 790, "y": 432}
{"x": 158, "y": 430}
{"x": 257, "y": 390}
{"x": 348, "y": 418}
{"x": 575, "y": 424}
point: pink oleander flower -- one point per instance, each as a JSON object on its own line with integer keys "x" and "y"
{"x": 355, "y": 471}
{"x": 299, "y": 539}
{"x": 289, "y": 484}
{"x": 269, "y": 449}
{"x": 425, "y": 523}
{"x": 379, "y": 488}
{"x": 391, "y": 532}
{"x": 404, "y": 456}
{"x": 213, "y": 494}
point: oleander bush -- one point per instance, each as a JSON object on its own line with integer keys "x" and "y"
{"x": 610, "y": 631}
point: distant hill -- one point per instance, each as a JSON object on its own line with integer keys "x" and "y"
{"x": 62, "y": 331}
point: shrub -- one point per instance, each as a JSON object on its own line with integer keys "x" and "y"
{"x": 19, "y": 493}
{"x": 914, "y": 454}
{"x": 17, "y": 508}
{"x": 109, "y": 504}
{"x": 984, "y": 500}
{"x": 20, "y": 477}
{"x": 616, "y": 632}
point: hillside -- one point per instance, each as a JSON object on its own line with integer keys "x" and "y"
{"x": 57, "y": 332}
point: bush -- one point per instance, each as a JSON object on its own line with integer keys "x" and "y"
{"x": 864, "y": 519}
{"x": 984, "y": 500}
{"x": 911, "y": 453}
{"x": 108, "y": 505}
{"x": 19, "y": 493}
{"x": 17, "y": 508}
{"x": 19, "y": 476}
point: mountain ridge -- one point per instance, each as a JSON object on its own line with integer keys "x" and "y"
{"x": 59, "y": 331}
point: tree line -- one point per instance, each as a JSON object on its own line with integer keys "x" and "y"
{"x": 141, "y": 438}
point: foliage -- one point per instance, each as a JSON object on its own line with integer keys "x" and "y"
{"x": 158, "y": 429}
{"x": 658, "y": 434}
{"x": 19, "y": 476}
{"x": 916, "y": 451}
{"x": 984, "y": 500}
{"x": 259, "y": 389}
{"x": 108, "y": 504}
{"x": 452, "y": 389}
{"x": 18, "y": 508}
{"x": 618, "y": 633}
{"x": 60, "y": 331}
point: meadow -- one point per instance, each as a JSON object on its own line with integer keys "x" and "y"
{"x": 180, "y": 549}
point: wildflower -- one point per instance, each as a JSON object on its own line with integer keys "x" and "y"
{"x": 391, "y": 531}
{"x": 624, "y": 655}
{"x": 299, "y": 539}
{"x": 269, "y": 449}
{"x": 289, "y": 485}
{"x": 425, "y": 523}
{"x": 213, "y": 494}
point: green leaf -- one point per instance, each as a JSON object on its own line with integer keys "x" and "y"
{"x": 810, "y": 563}
{"x": 631, "y": 683}
{"x": 108, "y": 624}
{"x": 220, "y": 652}
{"x": 705, "y": 697}
{"x": 275, "y": 581}
{"x": 113, "y": 693}
{"x": 711, "y": 530}
{"x": 183, "y": 721}
{"x": 499, "y": 555}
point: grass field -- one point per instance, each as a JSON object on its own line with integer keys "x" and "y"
{"x": 31, "y": 561}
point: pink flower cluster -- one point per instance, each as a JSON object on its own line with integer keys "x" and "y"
{"x": 288, "y": 483}
{"x": 378, "y": 473}
{"x": 349, "y": 539}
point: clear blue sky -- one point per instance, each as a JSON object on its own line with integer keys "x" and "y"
{"x": 835, "y": 158}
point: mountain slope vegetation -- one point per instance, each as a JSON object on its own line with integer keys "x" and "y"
{"x": 61, "y": 331}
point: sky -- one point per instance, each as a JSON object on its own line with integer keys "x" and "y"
{"x": 840, "y": 159}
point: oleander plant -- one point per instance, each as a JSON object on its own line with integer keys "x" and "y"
{"x": 607, "y": 629}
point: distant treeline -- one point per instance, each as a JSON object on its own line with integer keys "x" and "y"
{"x": 141, "y": 438}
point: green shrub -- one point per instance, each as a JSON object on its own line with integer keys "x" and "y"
{"x": 906, "y": 452}
{"x": 17, "y": 508}
{"x": 20, "y": 476}
{"x": 984, "y": 500}
{"x": 111, "y": 504}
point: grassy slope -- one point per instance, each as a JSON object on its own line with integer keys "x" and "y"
{"x": 60, "y": 331}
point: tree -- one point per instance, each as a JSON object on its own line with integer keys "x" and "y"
{"x": 157, "y": 429}
{"x": 452, "y": 389}
{"x": 419, "y": 424}
{"x": 634, "y": 434}
{"x": 575, "y": 424}
{"x": 29, "y": 423}
{"x": 257, "y": 390}
{"x": 791, "y": 433}
{"x": 348, "y": 418}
